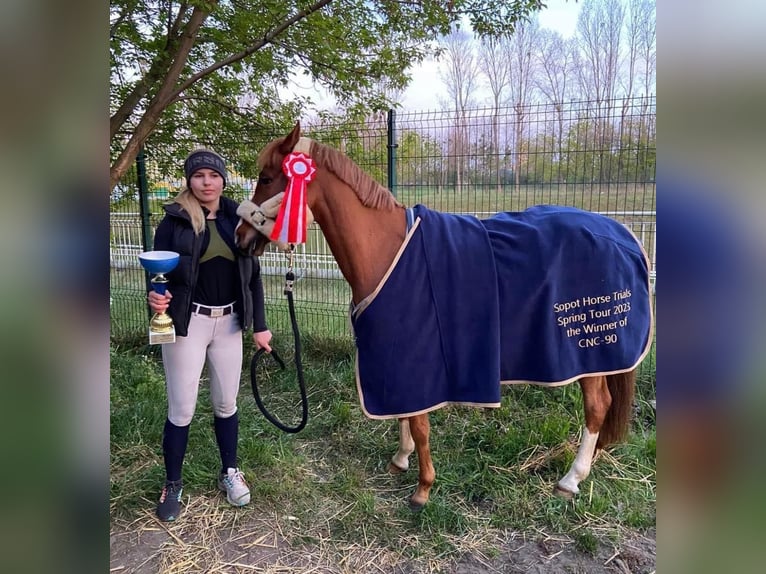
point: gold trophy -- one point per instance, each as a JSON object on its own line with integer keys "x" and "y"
{"x": 161, "y": 329}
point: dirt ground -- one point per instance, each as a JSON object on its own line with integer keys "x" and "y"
{"x": 213, "y": 539}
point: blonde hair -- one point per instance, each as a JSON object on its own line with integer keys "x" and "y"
{"x": 189, "y": 203}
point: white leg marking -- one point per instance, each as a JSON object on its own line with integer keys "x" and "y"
{"x": 406, "y": 446}
{"x": 581, "y": 465}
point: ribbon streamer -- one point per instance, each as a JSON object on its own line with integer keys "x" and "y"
{"x": 291, "y": 223}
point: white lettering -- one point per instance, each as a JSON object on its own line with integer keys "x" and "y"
{"x": 568, "y": 319}
{"x": 600, "y": 300}
{"x": 568, "y": 306}
{"x": 600, "y": 327}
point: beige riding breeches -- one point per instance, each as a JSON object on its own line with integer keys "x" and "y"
{"x": 217, "y": 341}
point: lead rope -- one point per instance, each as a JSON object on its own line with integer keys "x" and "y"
{"x": 288, "y": 291}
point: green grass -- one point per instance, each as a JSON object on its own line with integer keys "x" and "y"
{"x": 494, "y": 467}
{"x": 592, "y": 197}
{"x": 627, "y": 196}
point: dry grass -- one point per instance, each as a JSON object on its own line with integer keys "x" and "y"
{"x": 211, "y": 537}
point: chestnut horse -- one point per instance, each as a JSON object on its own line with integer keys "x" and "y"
{"x": 365, "y": 228}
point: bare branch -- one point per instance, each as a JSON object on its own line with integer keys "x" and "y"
{"x": 161, "y": 99}
{"x": 266, "y": 40}
{"x": 154, "y": 74}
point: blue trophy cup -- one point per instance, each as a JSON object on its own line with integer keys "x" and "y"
{"x": 161, "y": 329}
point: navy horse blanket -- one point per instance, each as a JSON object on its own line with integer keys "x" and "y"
{"x": 543, "y": 296}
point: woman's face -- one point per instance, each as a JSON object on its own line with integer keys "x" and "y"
{"x": 207, "y": 186}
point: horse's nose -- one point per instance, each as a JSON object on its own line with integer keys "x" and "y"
{"x": 238, "y": 233}
{"x": 239, "y": 243}
{"x": 244, "y": 248}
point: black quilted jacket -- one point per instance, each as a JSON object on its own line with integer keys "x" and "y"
{"x": 175, "y": 233}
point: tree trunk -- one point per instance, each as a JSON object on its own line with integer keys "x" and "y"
{"x": 160, "y": 101}
{"x": 158, "y": 68}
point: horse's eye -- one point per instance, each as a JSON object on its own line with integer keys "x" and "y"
{"x": 263, "y": 180}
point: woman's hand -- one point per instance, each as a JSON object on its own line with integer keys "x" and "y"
{"x": 262, "y": 340}
{"x": 159, "y": 303}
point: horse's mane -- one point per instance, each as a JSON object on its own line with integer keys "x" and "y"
{"x": 370, "y": 192}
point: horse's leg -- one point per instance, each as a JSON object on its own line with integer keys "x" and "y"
{"x": 400, "y": 462}
{"x": 608, "y": 402}
{"x": 597, "y": 400}
{"x": 420, "y": 427}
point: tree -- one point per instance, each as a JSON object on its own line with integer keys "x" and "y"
{"x": 421, "y": 161}
{"x": 184, "y": 67}
{"x": 600, "y": 26}
{"x": 553, "y": 80}
{"x": 554, "y": 64}
{"x": 641, "y": 35}
{"x": 493, "y": 62}
{"x": 461, "y": 77}
{"x": 521, "y": 46}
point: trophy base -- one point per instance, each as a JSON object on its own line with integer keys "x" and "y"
{"x": 156, "y": 338}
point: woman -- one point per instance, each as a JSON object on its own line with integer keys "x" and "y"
{"x": 212, "y": 296}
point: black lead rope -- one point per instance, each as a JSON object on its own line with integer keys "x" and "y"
{"x": 289, "y": 280}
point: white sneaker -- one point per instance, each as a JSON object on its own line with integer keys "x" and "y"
{"x": 234, "y": 485}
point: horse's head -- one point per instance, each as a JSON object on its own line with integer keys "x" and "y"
{"x": 271, "y": 181}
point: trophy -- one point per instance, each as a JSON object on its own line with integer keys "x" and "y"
{"x": 161, "y": 328}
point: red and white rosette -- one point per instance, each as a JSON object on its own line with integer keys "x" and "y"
{"x": 290, "y": 226}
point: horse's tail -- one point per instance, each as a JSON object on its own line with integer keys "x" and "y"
{"x": 622, "y": 387}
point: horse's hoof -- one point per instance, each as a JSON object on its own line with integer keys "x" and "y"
{"x": 416, "y": 506}
{"x": 561, "y": 493}
{"x": 394, "y": 469}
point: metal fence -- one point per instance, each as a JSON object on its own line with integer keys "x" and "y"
{"x": 598, "y": 156}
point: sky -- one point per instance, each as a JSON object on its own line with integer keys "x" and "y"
{"x": 559, "y": 15}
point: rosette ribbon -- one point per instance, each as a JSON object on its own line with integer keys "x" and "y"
{"x": 291, "y": 223}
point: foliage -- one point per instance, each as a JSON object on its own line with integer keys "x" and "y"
{"x": 421, "y": 158}
{"x": 205, "y": 68}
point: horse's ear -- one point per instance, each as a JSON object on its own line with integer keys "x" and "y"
{"x": 292, "y": 138}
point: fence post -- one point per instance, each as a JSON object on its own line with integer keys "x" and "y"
{"x": 392, "y": 145}
{"x": 143, "y": 201}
